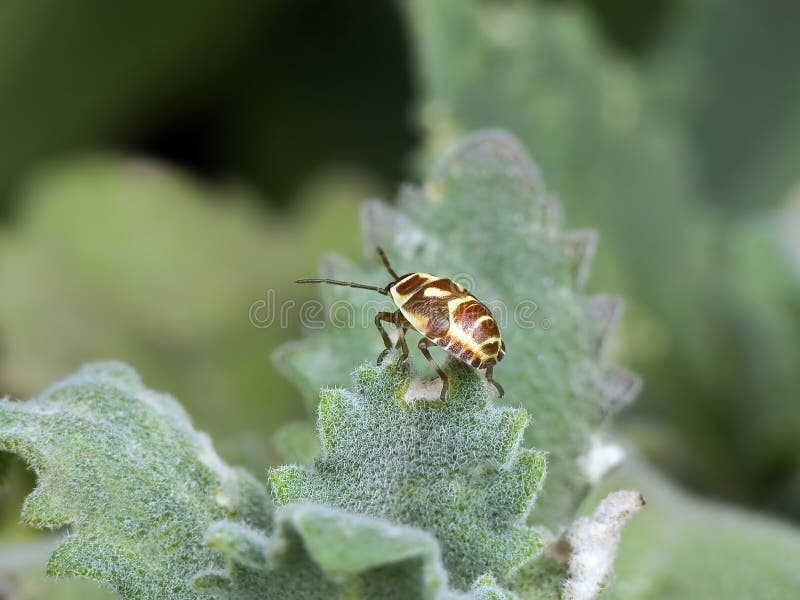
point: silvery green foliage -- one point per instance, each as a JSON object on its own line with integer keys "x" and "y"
{"x": 484, "y": 217}
{"x": 122, "y": 467}
{"x": 487, "y": 588}
{"x": 454, "y": 469}
{"x": 320, "y": 552}
{"x": 593, "y": 122}
{"x": 154, "y": 513}
{"x": 637, "y": 149}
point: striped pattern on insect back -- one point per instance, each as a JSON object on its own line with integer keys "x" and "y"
{"x": 408, "y": 285}
{"x": 426, "y": 306}
{"x": 474, "y": 336}
{"x": 447, "y": 314}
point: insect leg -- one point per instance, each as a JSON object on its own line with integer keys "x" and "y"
{"x": 389, "y": 318}
{"x": 423, "y": 347}
{"x": 401, "y": 341}
{"x": 402, "y": 326}
{"x": 491, "y": 380}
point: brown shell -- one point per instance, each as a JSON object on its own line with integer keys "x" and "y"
{"x": 448, "y": 315}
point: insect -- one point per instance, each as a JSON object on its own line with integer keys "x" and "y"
{"x": 446, "y": 315}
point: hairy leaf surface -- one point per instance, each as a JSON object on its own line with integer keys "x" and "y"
{"x": 122, "y": 467}
{"x": 454, "y": 469}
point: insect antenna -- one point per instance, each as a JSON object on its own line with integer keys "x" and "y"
{"x": 345, "y": 284}
{"x": 386, "y": 264}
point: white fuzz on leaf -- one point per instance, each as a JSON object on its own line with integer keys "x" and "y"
{"x": 593, "y": 541}
{"x": 601, "y": 456}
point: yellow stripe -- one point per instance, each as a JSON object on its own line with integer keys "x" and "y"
{"x": 453, "y": 304}
{"x": 435, "y": 292}
{"x": 457, "y": 334}
{"x": 480, "y": 320}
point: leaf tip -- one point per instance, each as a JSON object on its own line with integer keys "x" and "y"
{"x": 288, "y": 483}
{"x": 580, "y": 247}
{"x": 594, "y": 540}
{"x": 620, "y": 387}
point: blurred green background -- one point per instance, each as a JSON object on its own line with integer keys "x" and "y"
{"x": 165, "y": 167}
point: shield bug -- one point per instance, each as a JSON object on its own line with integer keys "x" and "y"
{"x": 446, "y": 315}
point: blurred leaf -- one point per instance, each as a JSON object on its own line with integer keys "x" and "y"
{"x": 297, "y": 442}
{"x": 685, "y": 547}
{"x": 733, "y": 66}
{"x": 113, "y": 257}
{"x": 330, "y": 81}
{"x": 756, "y": 412}
{"x": 22, "y": 575}
{"x": 89, "y": 71}
{"x": 733, "y": 403}
{"x": 713, "y": 324}
{"x": 600, "y": 135}
{"x": 123, "y": 467}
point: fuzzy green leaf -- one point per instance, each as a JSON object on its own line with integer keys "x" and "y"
{"x": 326, "y": 553}
{"x": 122, "y": 466}
{"x": 453, "y": 468}
{"x": 487, "y": 588}
{"x": 484, "y": 218}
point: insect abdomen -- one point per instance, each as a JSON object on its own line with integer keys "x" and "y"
{"x": 473, "y": 336}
